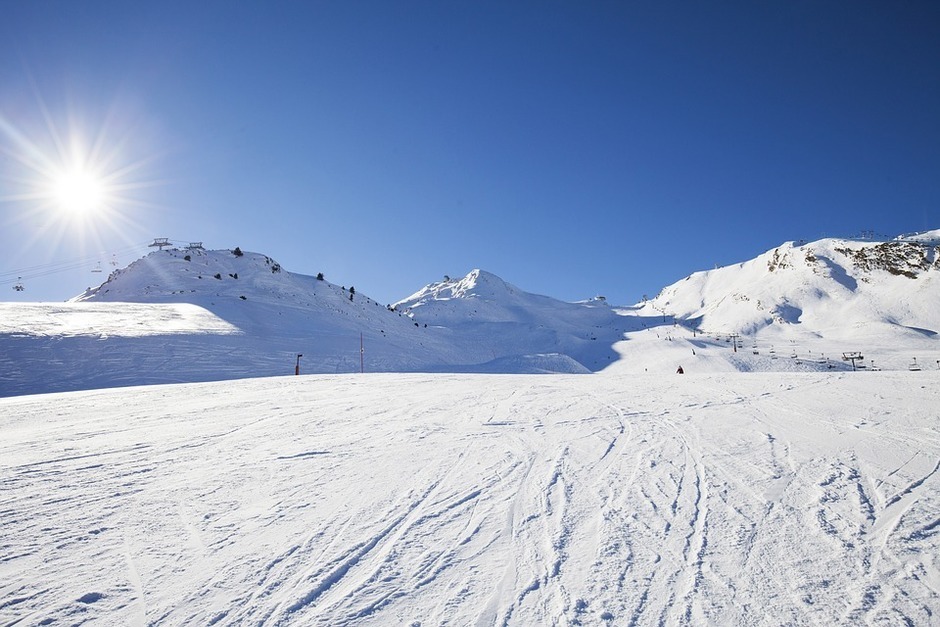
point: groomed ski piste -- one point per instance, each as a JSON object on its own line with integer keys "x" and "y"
{"x": 468, "y": 499}
{"x": 147, "y": 476}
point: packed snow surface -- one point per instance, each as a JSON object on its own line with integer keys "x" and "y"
{"x": 430, "y": 499}
{"x": 104, "y": 320}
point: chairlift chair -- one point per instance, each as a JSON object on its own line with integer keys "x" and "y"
{"x": 19, "y": 284}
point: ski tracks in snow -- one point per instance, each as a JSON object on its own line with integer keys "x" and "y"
{"x": 474, "y": 500}
{"x": 843, "y": 533}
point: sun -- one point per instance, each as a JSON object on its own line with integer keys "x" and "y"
{"x": 79, "y": 192}
{"x": 76, "y": 177}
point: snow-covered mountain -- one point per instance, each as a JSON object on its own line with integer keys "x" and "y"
{"x": 813, "y": 302}
{"x": 712, "y": 498}
{"x": 243, "y": 316}
{"x": 197, "y": 315}
{"x": 492, "y": 319}
{"x": 835, "y": 287}
{"x": 484, "y": 297}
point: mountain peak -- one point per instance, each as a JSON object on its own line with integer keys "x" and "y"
{"x": 230, "y": 283}
{"x": 197, "y": 315}
{"x": 183, "y": 274}
{"x": 833, "y": 286}
{"x": 926, "y": 237}
{"x": 476, "y": 284}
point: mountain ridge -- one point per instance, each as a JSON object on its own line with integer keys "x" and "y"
{"x": 246, "y": 316}
{"x": 824, "y": 283}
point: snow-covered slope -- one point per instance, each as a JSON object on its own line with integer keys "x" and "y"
{"x": 823, "y": 298}
{"x": 389, "y": 499}
{"x": 246, "y": 317}
{"x": 632, "y": 496}
{"x": 484, "y": 297}
{"x": 490, "y": 319}
{"x": 195, "y": 315}
{"x": 831, "y": 286}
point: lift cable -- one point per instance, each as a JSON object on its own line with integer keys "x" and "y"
{"x": 41, "y": 270}
{"x": 18, "y": 275}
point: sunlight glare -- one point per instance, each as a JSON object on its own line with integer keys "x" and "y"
{"x": 79, "y": 192}
{"x": 66, "y": 179}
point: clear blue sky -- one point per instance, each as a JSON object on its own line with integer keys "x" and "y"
{"x": 573, "y": 148}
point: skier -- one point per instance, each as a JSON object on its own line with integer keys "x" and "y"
{"x": 680, "y": 370}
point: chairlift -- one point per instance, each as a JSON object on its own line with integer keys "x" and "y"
{"x": 19, "y": 284}
{"x": 97, "y": 267}
{"x": 114, "y": 261}
{"x": 855, "y": 357}
{"x": 914, "y": 367}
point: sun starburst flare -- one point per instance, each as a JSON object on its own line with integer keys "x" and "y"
{"x": 79, "y": 191}
{"x": 73, "y": 180}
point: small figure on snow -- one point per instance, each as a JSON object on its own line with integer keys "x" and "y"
{"x": 680, "y": 370}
